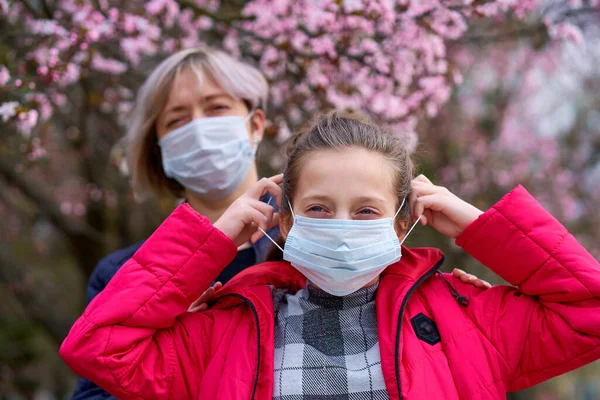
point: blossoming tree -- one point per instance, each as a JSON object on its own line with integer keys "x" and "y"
{"x": 487, "y": 93}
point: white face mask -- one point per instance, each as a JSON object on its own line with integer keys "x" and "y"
{"x": 341, "y": 256}
{"x": 210, "y": 156}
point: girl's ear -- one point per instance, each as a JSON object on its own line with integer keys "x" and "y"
{"x": 401, "y": 227}
{"x": 285, "y": 224}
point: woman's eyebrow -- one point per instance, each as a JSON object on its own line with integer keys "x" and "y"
{"x": 217, "y": 96}
{"x": 175, "y": 108}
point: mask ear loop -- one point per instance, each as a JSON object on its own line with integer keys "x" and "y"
{"x": 412, "y": 227}
{"x": 266, "y": 234}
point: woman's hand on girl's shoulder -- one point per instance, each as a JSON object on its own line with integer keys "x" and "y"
{"x": 241, "y": 220}
{"x": 440, "y": 208}
{"x": 470, "y": 279}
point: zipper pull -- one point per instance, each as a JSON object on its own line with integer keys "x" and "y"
{"x": 462, "y": 300}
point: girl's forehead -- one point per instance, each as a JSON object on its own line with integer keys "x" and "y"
{"x": 349, "y": 172}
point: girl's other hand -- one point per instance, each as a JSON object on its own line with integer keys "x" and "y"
{"x": 241, "y": 220}
{"x": 441, "y": 209}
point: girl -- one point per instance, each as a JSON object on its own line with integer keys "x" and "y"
{"x": 351, "y": 314}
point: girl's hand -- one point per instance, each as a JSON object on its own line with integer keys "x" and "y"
{"x": 241, "y": 220}
{"x": 441, "y": 209}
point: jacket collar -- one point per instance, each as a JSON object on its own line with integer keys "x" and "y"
{"x": 415, "y": 262}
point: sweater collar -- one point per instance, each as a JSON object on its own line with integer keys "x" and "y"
{"x": 323, "y": 299}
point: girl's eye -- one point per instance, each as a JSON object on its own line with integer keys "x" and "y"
{"x": 366, "y": 211}
{"x": 316, "y": 209}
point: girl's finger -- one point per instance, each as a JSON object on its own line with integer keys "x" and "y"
{"x": 264, "y": 209}
{"x": 278, "y": 179}
{"x": 423, "y": 178}
{"x": 266, "y": 185}
{"x": 412, "y": 198}
{"x": 435, "y": 202}
{"x": 259, "y": 218}
{"x": 256, "y": 236}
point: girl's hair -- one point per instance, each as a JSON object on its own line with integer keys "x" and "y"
{"x": 342, "y": 130}
{"x": 144, "y": 160}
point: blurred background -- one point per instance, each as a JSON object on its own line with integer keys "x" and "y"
{"x": 488, "y": 94}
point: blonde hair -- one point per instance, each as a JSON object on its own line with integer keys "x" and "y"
{"x": 343, "y": 130}
{"x": 144, "y": 159}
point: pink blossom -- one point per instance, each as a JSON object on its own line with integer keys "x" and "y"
{"x": 107, "y": 65}
{"x": 36, "y": 153}
{"x": 4, "y": 6}
{"x": 8, "y": 110}
{"x": 4, "y": 75}
{"x": 66, "y": 207}
{"x": 43, "y": 103}
{"x": 566, "y": 31}
{"x": 27, "y": 121}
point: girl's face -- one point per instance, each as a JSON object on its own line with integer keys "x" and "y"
{"x": 188, "y": 100}
{"x": 354, "y": 183}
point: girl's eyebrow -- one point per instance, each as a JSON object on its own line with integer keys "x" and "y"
{"x": 361, "y": 199}
{"x": 316, "y": 197}
{"x": 370, "y": 199}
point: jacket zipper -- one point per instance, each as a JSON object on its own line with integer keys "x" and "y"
{"x": 401, "y": 314}
{"x": 251, "y": 305}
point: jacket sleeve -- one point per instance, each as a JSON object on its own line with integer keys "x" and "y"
{"x": 135, "y": 339}
{"x": 549, "y": 323}
{"x": 102, "y": 274}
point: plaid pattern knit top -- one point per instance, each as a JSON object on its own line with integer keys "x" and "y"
{"x": 327, "y": 347}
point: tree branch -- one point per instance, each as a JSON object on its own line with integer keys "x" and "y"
{"x": 29, "y": 7}
{"x": 47, "y": 207}
{"x": 47, "y": 9}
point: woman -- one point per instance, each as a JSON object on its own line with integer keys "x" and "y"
{"x": 270, "y": 333}
{"x": 197, "y": 123}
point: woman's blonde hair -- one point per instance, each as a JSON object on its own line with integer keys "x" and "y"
{"x": 144, "y": 160}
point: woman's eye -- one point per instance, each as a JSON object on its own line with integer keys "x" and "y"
{"x": 316, "y": 209}
{"x": 218, "y": 107}
{"x": 173, "y": 122}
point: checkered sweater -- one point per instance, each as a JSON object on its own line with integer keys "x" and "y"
{"x": 326, "y": 347}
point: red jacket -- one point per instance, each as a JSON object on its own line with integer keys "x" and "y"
{"x": 137, "y": 340}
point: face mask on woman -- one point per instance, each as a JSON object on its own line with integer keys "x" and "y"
{"x": 341, "y": 256}
{"x": 209, "y": 156}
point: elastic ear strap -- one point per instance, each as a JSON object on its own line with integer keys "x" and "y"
{"x": 411, "y": 228}
{"x": 270, "y": 238}
{"x": 291, "y": 209}
{"x": 400, "y": 208}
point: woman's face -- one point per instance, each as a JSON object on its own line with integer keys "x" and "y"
{"x": 355, "y": 184}
{"x": 188, "y": 100}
